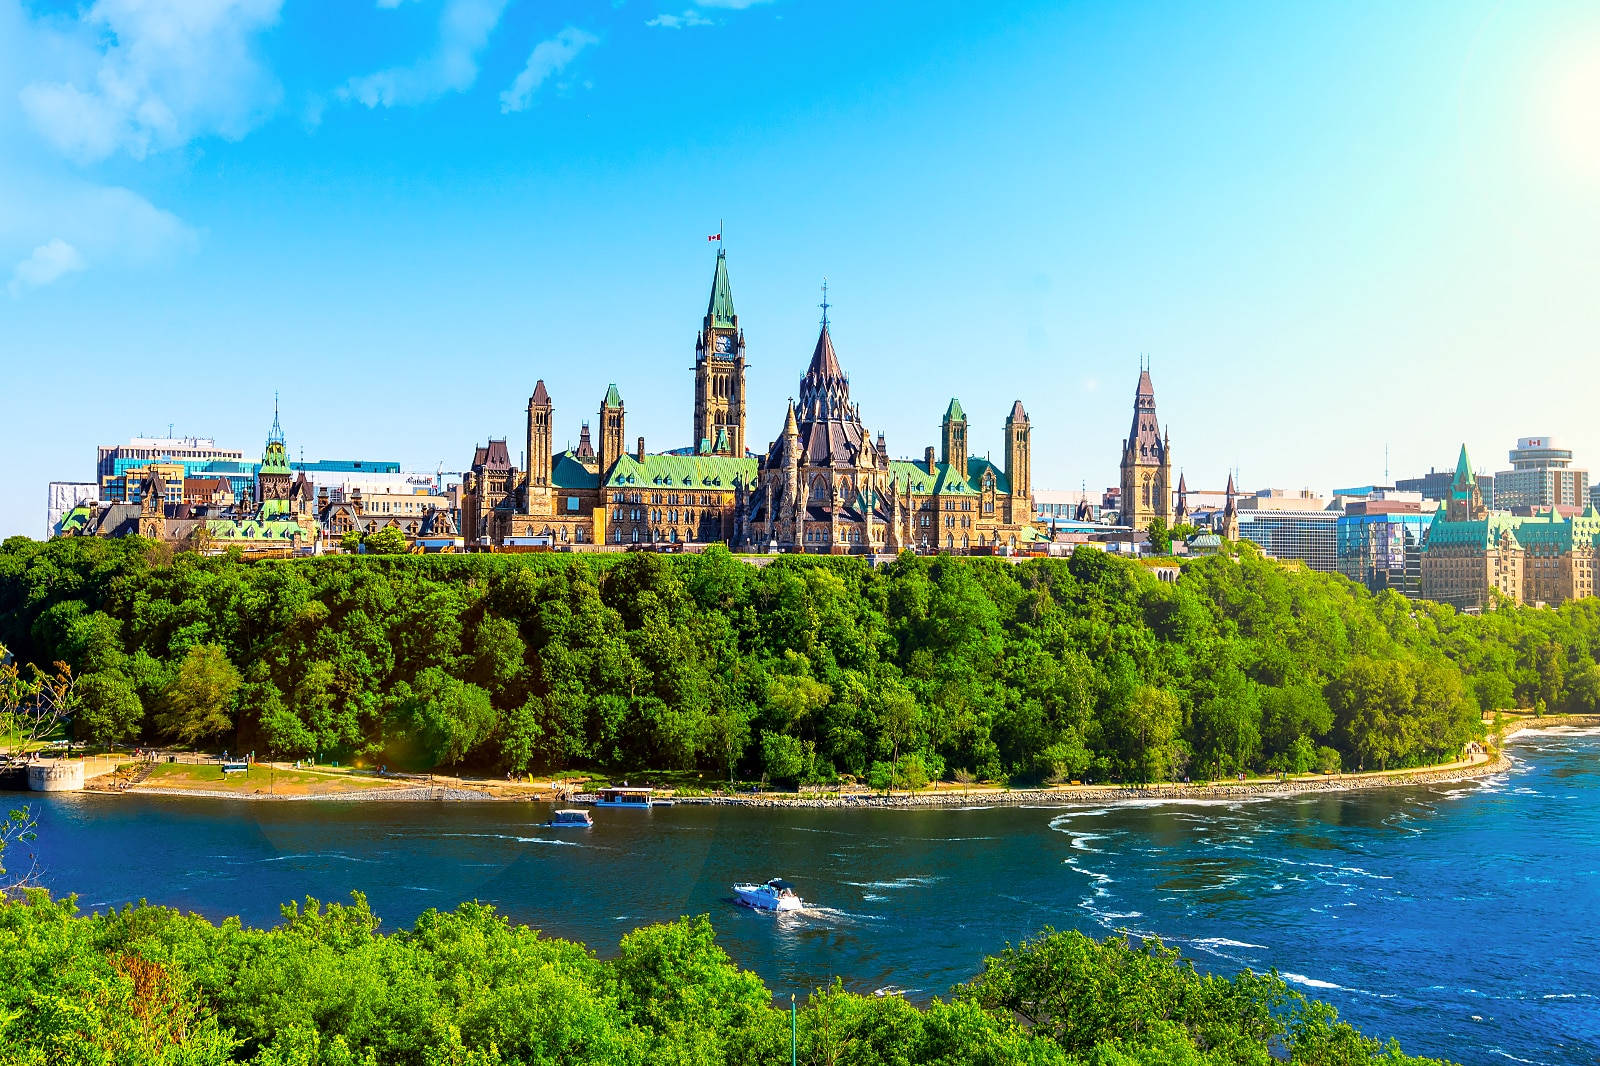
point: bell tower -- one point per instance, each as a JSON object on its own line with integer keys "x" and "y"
{"x": 539, "y": 447}
{"x": 1146, "y": 462}
{"x": 1019, "y": 463}
{"x": 612, "y": 430}
{"x": 719, "y": 399}
{"x": 953, "y": 438}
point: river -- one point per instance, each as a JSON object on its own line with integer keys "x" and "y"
{"x": 1460, "y": 918}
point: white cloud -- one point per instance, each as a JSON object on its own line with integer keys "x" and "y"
{"x": 101, "y": 225}
{"x": 146, "y": 75}
{"x": 729, "y": 5}
{"x": 547, "y": 58}
{"x": 678, "y": 22}
{"x": 49, "y": 262}
{"x": 464, "y": 29}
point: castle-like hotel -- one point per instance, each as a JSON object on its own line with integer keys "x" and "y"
{"x": 825, "y": 484}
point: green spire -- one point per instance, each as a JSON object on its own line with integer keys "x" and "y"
{"x": 613, "y": 397}
{"x": 720, "y": 310}
{"x": 1464, "y": 475}
{"x": 954, "y": 413}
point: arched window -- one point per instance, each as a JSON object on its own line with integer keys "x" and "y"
{"x": 636, "y": 534}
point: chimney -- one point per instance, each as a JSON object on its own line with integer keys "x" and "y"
{"x": 640, "y": 455}
{"x": 355, "y": 498}
{"x": 928, "y": 458}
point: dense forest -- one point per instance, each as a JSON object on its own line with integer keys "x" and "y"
{"x": 1088, "y": 667}
{"x": 146, "y": 985}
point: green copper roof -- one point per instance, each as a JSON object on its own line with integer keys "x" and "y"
{"x": 1464, "y": 469}
{"x": 613, "y": 397}
{"x": 946, "y": 480}
{"x": 251, "y": 529}
{"x": 77, "y": 519}
{"x": 275, "y": 460}
{"x": 569, "y": 473}
{"x": 954, "y": 413}
{"x": 680, "y": 472}
{"x": 720, "y": 310}
{"x": 1481, "y": 532}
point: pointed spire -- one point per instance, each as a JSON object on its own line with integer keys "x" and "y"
{"x": 275, "y": 435}
{"x": 1464, "y": 475}
{"x": 540, "y": 397}
{"x": 719, "y": 311}
{"x": 954, "y": 413}
{"x": 1017, "y": 413}
{"x": 790, "y": 427}
{"x": 824, "y": 362}
{"x": 613, "y": 397}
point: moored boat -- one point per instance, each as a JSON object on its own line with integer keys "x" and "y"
{"x": 776, "y": 895}
{"x": 623, "y": 797}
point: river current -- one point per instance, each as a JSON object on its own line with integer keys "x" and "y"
{"x": 1460, "y": 918}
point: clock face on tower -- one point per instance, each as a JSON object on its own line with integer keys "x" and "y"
{"x": 724, "y": 344}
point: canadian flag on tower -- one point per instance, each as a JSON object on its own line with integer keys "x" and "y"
{"x": 714, "y": 237}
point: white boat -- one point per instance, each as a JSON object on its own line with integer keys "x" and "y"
{"x": 623, "y": 797}
{"x": 775, "y": 895}
{"x": 571, "y": 819}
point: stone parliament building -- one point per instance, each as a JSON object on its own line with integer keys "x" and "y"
{"x": 825, "y": 484}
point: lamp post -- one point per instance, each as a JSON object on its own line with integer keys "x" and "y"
{"x": 794, "y": 1033}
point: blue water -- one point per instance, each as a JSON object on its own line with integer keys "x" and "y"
{"x": 1459, "y": 918}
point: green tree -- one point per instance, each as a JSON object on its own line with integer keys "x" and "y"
{"x": 438, "y": 720}
{"x": 198, "y": 705}
{"x": 108, "y": 709}
{"x": 783, "y": 757}
{"x": 387, "y": 541}
{"x": 1160, "y": 536}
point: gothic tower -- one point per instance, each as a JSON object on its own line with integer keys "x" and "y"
{"x": 953, "y": 438}
{"x": 719, "y": 408}
{"x": 272, "y": 476}
{"x": 1146, "y": 462}
{"x": 1230, "y": 513}
{"x": 1019, "y": 463}
{"x": 1466, "y": 498}
{"x": 611, "y": 430}
{"x": 540, "y": 432}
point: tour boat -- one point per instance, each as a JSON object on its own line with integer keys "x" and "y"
{"x": 623, "y": 797}
{"x": 775, "y": 895}
{"x": 574, "y": 819}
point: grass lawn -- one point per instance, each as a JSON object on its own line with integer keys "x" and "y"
{"x": 259, "y": 779}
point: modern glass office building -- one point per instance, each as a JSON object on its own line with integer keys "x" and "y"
{"x": 1384, "y": 550}
{"x": 1308, "y": 536}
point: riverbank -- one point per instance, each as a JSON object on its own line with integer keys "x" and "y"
{"x": 281, "y": 783}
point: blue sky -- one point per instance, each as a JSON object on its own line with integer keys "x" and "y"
{"x": 1331, "y": 227}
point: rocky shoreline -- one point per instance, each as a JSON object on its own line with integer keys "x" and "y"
{"x": 1481, "y": 766}
{"x": 1091, "y": 794}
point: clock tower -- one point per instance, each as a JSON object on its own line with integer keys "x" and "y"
{"x": 719, "y": 411}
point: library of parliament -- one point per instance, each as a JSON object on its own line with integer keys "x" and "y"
{"x": 825, "y": 484}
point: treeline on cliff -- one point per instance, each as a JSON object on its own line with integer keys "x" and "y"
{"x": 146, "y": 986}
{"x": 805, "y": 669}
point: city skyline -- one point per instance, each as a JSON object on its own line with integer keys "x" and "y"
{"x": 1367, "y": 227}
